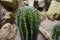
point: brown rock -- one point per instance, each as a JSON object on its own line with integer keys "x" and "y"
{"x": 43, "y": 15}
{"x": 9, "y": 17}
{"x": 10, "y": 5}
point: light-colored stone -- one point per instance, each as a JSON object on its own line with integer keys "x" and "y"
{"x": 24, "y": 3}
{"x": 8, "y": 32}
{"x": 31, "y": 2}
{"x": 45, "y": 33}
{"x": 8, "y": 0}
{"x": 46, "y": 28}
{"x": 9, "y": 15}
{"x": 41, "y": 3}
{"x": 54, "y": 10}
{"x": 43, "y": 15}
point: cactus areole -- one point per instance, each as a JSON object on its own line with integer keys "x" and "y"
{"x": 56, "y": 32}
{"x": 28, "y": 22}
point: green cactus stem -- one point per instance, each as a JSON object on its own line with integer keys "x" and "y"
{"x": 56, "y": 32}
{"x": 28, "y": 22}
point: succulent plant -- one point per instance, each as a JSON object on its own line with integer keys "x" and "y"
{"x": 28, "y": 22}
{"x": 56, "y": 32}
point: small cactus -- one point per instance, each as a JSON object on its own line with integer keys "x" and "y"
{"x": 56, "y": 32}
{"x": 28, "y": 22}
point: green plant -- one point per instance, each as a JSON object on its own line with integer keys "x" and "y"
{"x": 56, "y": 32}
{"x": 28, "y": 22}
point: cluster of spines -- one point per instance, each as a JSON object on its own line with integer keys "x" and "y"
{"x": 56, "y": 32}
{"x": 28, "y": 22}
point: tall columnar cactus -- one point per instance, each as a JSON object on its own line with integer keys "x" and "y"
{"x": 56, "y": 32}
{"x": 28, "y": 22}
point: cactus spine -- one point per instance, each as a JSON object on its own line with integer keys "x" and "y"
{"x": 28, "y": 22}
{"x": 56, "y": 32}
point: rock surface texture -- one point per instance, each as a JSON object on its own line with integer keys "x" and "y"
{"x": 8, "y": 32}
{"x": 54, "y": 11}
{"x": 48, "y": 25}
{"x": 9, "y": 5}
{"x": 7, "y": 26}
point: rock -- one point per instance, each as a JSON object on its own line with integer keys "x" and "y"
{"x": 41, "y": 36}
{"x": 24, "y": 3}
{"x": 2, "y": 11}
{"x": 45, "y": 33}
{"x": 9, "y": 17}
{"x": 8, "y": 32}
{"x": 58, "y": 0}
{"x": 31, "y": 2}
{"x": 46, "y": 28}
{"x": 9, "y": 5}
{"x": 43, "y": 15}
{"x": 54, "y": 11}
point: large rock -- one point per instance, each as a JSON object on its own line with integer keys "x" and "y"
{"x": 8, "y": 32}
{"x": 46, "y": 28}
{"x": 7, "y": 27}
{"x": 10, "y": 5}
{"x": 8, "y": 17}
{"x": 54, "y": 11}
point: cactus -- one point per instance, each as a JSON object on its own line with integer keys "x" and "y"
{"x": 56, "y": 32}
{"x": 28, "y": 22}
